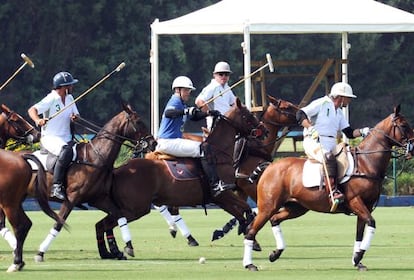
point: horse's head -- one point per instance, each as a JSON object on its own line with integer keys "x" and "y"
{"x": 280, "y": 112}
{"x": 136, "y": 130}
{"x": 396, "y": 131}
{"x": 244, "y": 121}
{"x": 16, "y": 127}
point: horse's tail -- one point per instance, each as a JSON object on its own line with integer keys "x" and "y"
{"x": 258, "y": 171}
{"x": 41, "y": 192}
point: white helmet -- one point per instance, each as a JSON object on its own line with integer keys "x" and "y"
{"x": 222, "y": 67}
{"x": 342, "y": 89}
{"x": 182, "y": 82}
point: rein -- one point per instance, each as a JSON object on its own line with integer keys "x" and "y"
{"x": 278, "y": 124}
{"x": 17, "y": 128}
{"x": 92, "y": 127}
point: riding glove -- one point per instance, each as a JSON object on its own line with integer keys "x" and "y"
{"x": 313, "y": 133}
{"x": 364, "y": 131}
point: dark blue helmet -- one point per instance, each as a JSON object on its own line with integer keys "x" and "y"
{"x": 62, "y": 79}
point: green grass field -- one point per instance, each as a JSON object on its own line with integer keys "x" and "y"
{"x": 319, "y": 246}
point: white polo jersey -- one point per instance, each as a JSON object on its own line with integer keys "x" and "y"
{"x": 327, "y": 120}
{"x": 58, "y": 126}
{"x": 222, "y": 103}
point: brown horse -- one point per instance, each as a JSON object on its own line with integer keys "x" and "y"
{"x": 281, "y": 194}
{"x": 15, "y": 177}
{"x": 14, "y": 183}
{"x": 278, "y": 114}
{"x": 141, "y": 182}
{"x": 14, "y": 126}
{"x": 89, "y": 179}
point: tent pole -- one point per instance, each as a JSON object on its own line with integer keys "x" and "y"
{"x": 154, "y": 82}
{"x": 247, "y": 67}
{"x": 345, "y": 49}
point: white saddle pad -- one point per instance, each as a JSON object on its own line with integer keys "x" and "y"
{"x": 312, "y": 176}
{"x": 42, "y": 157}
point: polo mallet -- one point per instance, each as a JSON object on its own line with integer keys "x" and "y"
{"x": 268, "y": 64}
{"x": 26, "y": 61}
{"x": 117, "y": 69}
{"x": 335, "y": 202}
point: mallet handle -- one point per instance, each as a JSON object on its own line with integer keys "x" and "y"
{"x": 117, "y": 69}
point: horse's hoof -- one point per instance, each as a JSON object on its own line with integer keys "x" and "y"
{"x": 256, "y": 246}
{"x": 361, "y": 267}
{"x": 357, "y": 257}
{"x": 121, "y": 257}
{"x": 129, "y": 251}
{"x": 217, "y": 234}
{"x": 173, "y": 233}
{"x": 251, "y": 267}
{"x": 16, "y": 267}
{"x": 275, "y": 255}
{"x": 191, "y": 241}
{"x": 39, "y": 258}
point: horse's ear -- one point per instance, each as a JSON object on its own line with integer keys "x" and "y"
{"x": 5, "y": 109}
{"x": 127, "y": 108}
{"x": 397, "y": 110}
{"x": 271, "y": 99}
{"x": 238, "y": 102}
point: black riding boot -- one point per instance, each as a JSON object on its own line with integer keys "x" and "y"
{"x": 332, "y": 168}
{"x": 62, "y": 164}
{"x": 208, "y": 163}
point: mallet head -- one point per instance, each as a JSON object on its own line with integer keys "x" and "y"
{"x": 120, "y": 66}
{"x": 27, "y": 60}
{"x": 270, "y": 62}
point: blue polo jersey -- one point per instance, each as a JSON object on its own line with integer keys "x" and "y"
{"x": 170, "y": 128}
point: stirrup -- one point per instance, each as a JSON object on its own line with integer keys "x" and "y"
{"x": 57, "y": 191}
{"x": 337, "y": 195}
{"x": 220, "y": 187}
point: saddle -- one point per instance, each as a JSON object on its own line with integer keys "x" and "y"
{"x": 47, "y": 159}
{"x": 312, "y": 170}
{"x": 181, "y": 169}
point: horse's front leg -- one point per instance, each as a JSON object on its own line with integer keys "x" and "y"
{"x": 101, "y": 228}
{"x": 365, "y": 221}
{"x": 64, "y": 212}
{"x": 5, "y": 232}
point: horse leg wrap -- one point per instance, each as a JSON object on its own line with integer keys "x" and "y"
{"x": 248, "y": 249}
{"x": 366, "y": 241}
{"x": 123, "y": 225}
{"x": 257, "y": 172}
{"x": 166, "y": 215}
{"x": 44, "y": 246}
{"x": 9, "y": 237}
{"x": 278, "y": 235}
{"x": 182, "y": 226}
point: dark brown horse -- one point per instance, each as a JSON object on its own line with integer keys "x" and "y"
{"x": 281, "y": 194}
{"x": 89, "y": 179}
{"x": 277, "y": 115}
{"x": 141, "y": 182}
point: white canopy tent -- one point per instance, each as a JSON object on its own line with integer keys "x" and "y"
{"x": 247, "y": 17}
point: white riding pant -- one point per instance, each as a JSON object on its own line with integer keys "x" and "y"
{"x": 179, "y": 147}
{"x": 316, "y": 150}
{"x": 54, "y": 144}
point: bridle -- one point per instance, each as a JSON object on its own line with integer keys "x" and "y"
{"x": 405, "y": 142}
{"x": 142, "y": 143}
{"x": 281, "y": 111}
{"x": 22, "y": 135}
